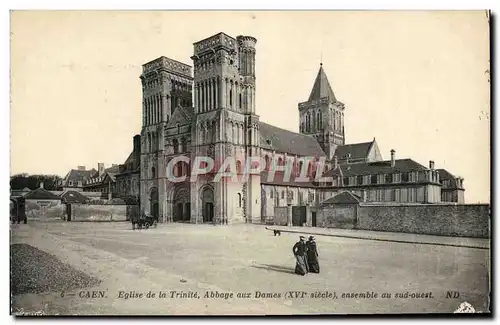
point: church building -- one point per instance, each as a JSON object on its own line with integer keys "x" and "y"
{"x": 209, "y": 109}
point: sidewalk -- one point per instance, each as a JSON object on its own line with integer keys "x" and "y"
{"x": 479, "y": 243}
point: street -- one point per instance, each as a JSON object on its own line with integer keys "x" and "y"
{"x": 244, "y": 269}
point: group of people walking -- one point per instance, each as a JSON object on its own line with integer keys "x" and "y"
{"x": 306, "y": 254}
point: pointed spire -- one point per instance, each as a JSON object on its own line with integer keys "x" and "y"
{"x": 321, "y": 88}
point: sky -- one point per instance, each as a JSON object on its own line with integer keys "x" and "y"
{"x": 414, "y": 81}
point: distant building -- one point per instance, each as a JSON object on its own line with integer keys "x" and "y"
{"x": 452, "y": 187}
{"x": 395, "y": 180}
{"x": 76, "y": 178}
{"x": 42, "y": 204}
{"x": 103, "y": 180}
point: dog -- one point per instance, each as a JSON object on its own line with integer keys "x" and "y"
{"x": 277, "y": 232}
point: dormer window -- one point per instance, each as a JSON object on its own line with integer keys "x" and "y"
{"x": 269, "y": 142}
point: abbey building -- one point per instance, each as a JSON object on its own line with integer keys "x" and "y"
{"x": 209, "y": 109}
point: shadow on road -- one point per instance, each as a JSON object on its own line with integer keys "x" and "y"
{"x": 275, "y": 268}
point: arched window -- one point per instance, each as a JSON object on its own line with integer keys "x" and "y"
{"x": 153, "y": 172}
{"x": 318, "y": 120}
{"x": 238, "y": 167}
{"x": 230, "y": 98}
{"x": 183, "y": 145}
{"x": 301, "y": 164}
{"x": 268, "y": 163}
{"x": 241, "y": 102}
{"x": 239, "y": 200}
{"x": 280, "y": 161}
{"x": 175, "y": 143}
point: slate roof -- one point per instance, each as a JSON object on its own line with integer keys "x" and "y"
{"x": 378, "y": 167}
{"x": 445, "y": 175}
{"x": 278, "y": 179}
{"x": 74, "y": 197}
{"x": 321, "y": 87}
{"x": 41, "y": 194}
{"x": 290, "y": 142}
{"x": 345, "y": 197}
{"x": 357, "y": 150}
{"x": 76, "y": 175}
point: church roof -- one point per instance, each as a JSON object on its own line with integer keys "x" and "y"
{"x": 281, "y": 140}
{"x": 357, "y": 150}
{"x": 321, "y": 88}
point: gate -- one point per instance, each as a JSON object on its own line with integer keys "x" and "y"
{"x": 299, "y": 217}
{"x": 68, "y": 212}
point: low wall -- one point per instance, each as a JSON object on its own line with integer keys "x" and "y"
{"x": 281, "y": 216}
{"x": 107, "y": 212}
{"x": 45, "y": 210}
{"x": 464, "y": 220}
{"x": 342, "y": 216}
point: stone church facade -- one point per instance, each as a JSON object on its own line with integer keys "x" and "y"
{"x": 208, "y": 109}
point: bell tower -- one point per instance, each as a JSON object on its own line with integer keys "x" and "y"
{"x": 166, "y": 86}
{"x": 225, "y": 125}
{"x": 322, "y": 115}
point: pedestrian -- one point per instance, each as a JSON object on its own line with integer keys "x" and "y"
{"x": 300, "y": 252}
{"x": 312, "y": 255}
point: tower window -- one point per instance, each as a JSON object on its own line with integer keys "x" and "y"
{"x": 153, "y": 172}
{"x": 230, "y": 98}
{"x": 241, "y": 102}
{"x": 175, "y": 145}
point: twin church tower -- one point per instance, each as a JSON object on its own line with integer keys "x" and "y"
{"x": 211, "y": 112}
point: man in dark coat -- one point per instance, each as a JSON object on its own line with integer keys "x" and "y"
{"x": 312, "y": 255}
{"x": 300, "y": 252}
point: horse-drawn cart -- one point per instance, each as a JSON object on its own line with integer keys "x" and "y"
{"x": 144, "y": 220}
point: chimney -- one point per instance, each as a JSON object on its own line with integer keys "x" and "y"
{"x": 81, "y": 167}
{"x": 364, "y": 196}
{"x": 114, "y": 165}
{"x": 431, "y": 164}
{"x": 393, "y": 157}
{"x": 100, "y": 168}
{"x": 41, "y": 184}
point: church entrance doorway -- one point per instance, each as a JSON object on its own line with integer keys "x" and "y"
{"x": 153, "y": 202}
{"x": 207, "y": 197}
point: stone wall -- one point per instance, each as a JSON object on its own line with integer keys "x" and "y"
{"x": 469, "y": 220}
{"x": 45, "y": 210}
{"x": 94, "y": 212}
{"x": 342, "y": 216}
{"x": 281, "y": 216}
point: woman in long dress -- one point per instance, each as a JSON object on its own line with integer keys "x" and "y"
{"x": 312, "y": 255}
{"x": 300, "y": 252}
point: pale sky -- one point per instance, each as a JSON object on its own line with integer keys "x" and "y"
{"x": 413, "y": 80}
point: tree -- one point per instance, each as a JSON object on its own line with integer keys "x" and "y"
{"x": 21, "y": 181}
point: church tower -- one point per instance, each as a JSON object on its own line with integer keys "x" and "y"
{"x": 224, "y": 125}
{"x": 166, "y": 87}
{"x": 322, "y": 115}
